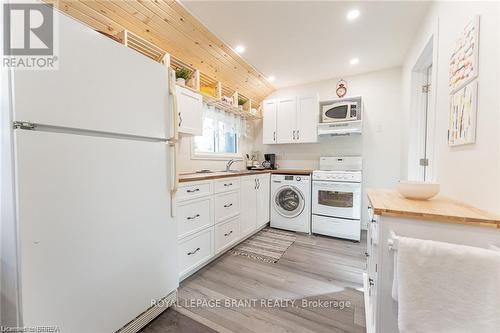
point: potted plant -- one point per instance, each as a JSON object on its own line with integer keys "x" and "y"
{"x": 181, "y": 75}
{"x": 241, "y": 102}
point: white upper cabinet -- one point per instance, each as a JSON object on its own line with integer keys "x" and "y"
{"x": 307, "y": 118}
{"x": 190, "y": 109}
{"x": 291, "y": 120}
{"x": 286, "y": 120}
{"x": 269, "y": 122}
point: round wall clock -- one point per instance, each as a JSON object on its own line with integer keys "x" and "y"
{"x": 341, "y": 88}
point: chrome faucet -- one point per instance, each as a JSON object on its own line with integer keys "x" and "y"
{"x": 229, "y": 163}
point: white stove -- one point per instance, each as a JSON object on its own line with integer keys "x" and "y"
{"x": 336, "y": 197}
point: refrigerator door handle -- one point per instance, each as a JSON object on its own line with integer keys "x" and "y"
{"x": 175, "y": 124}
{"x": 174, "y": 118}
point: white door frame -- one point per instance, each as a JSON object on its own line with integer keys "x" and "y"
{"x": 422, "y": 132}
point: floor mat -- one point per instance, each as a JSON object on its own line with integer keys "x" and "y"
{"x": 268, "y": 245}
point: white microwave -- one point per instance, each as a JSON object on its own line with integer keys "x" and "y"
{"x": 340, "y": 111}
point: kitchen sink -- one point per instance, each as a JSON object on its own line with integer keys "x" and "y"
{"x": 220, "y": 171}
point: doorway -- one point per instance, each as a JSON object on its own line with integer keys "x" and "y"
{"x": 421, "y": 164}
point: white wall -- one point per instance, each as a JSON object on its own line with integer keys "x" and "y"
{"x": 380, "y": 143}
{"x": 468, "y": 173}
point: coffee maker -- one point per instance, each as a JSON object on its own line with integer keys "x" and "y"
{"x": 271, "y": 161}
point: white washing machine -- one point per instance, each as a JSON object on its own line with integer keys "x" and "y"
{"x": 291, "y": 202}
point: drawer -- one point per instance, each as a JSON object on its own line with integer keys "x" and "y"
{"x": 227, "y": 184}
{"x": 192, "y": 190}
{"x": 226, "y": 234}
{"x": 331, "y": 226}
{"x": 195, "y": 250}
{"x": 194, "y": 215}
{"x": 227, "y": 205}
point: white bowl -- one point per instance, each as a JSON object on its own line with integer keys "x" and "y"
{"x": 417, "y": 190}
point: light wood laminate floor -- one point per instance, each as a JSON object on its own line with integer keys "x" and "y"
{"x": 314, "y": 268}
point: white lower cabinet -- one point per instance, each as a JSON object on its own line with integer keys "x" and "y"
{"x": 194, "y": 215}
{"x": 263, "y": 199}
{"x": 255, "y": 194}
{"x": 214, "y": 215}
{"x": 193, "y": 190}
{"x": 227, "y": 205}
{"x": 195, "y": 250}
{"x": 248, "y": 195}
{"x": 226, "y": 234}
{"x": 227, "y": 184}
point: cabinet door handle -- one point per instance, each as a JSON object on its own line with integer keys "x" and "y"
{"x": 367, "y": 254}
{"x": 180, "y": 119}
{"x": 228, "y": 205}
{"x": 193, "y": 217}
{"x": 298, "y": 137}
{"x": 192, "y": 191}
{"x": 274, "y": 136}
{"x": 371, "y": 282}
{"x": 258, "y": 183}
{"x": 255, "y": 185}
{"x": 293, "y": 134}
{"x": 229, "y": 233}
{"x": 228, "y": 184}
{"x": 193, "y": 252}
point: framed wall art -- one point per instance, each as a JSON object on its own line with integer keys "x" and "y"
{"x": 463, "y": 110}
{"x": 464, "y": 58}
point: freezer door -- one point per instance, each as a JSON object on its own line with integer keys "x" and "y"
{"x": 100, "y": 85}
{"x": 97, "y": 242}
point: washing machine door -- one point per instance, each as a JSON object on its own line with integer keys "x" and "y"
{"x": 289, "y": 201}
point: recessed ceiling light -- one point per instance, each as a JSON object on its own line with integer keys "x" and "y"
{"x": 239, "y": 49}
{"x": 354, "y": 61}
{"x": 271, "y": 78}
{"x": 353, "y": 14}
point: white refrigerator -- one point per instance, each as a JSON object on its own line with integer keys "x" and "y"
{"x": 87, "y": 172}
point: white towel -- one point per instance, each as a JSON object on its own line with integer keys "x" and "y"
{"x": 443, "y": 287}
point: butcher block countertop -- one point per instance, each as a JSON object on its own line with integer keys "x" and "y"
{"x": 189, "y": 177}
{"x": 440, "y": 209}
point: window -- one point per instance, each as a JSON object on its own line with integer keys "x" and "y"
{"x": 220, "y": 135}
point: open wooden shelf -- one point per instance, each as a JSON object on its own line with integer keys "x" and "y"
{"x": 194, "y": 80}
{"x": 210, "y": 87}
{"x": 141, "y": 45}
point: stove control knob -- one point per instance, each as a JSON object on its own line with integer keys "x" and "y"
{"x": 298, "y": 179}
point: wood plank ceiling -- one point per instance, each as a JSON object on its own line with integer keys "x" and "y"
{"x": 168, "y": 25}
